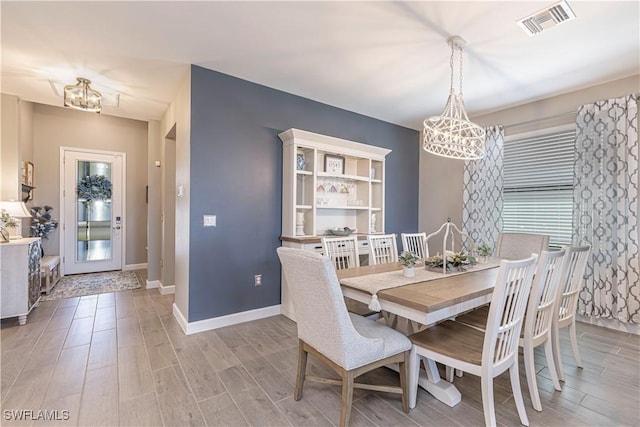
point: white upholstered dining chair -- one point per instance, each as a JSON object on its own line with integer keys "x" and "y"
{"x": 490, "y": 353}
{"x": 566, "y": 305}
{"x": 343, "y": 251}
{"x": 414, "y": 242}
{"x": 520, "y": 245}
{"x": 382, "y": 248}
{"x": 536, "y": 330}
{"x": 349, "y": 344}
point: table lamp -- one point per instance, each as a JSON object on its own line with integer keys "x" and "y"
{"x": 16, "y": 210}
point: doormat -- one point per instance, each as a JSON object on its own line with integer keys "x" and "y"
{"x": 79, "y": 285}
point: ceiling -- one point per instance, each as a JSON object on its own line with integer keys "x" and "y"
{"x": 388, "y": 60}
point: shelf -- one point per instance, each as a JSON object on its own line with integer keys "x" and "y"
{"x": 376, "y": 209}
{"x": 376, "y": 181}
{"x": 299, "y": 172}
{"x": 355, "y": 208}
{"x": 304, "y": 207}
{"x": 27, "y": 189}
{"x": 345, "y": 177}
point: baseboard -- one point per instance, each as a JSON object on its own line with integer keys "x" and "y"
{"x": 610, "y": 324}
{"x": 142, "y": 266}
{"x": 222, "y": 321}
{"x": 152, "y": 284}
{"x": 182, "y": 321}
{"x": 166, "y": 290}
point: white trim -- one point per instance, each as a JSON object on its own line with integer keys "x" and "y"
{"x": 166, "y": 290}
{"x": 610, "y": 324}
{"x": 177, "y": 314}
{"x": 222, "y": 321}
{"x": 152, "y": 284}
{"x": 141, "y": 266}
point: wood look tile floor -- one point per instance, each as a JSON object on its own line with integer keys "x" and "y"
{"x": 121, "y": 359}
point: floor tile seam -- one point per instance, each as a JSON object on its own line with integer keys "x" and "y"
{"x": 619, "y": 420}
{"x": 26, "y": 359}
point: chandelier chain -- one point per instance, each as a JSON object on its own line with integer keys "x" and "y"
{"x": 451, "y": 66}
{"x": 460, "y": 54}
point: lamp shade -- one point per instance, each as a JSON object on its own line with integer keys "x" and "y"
{"x": 15, "y": 209}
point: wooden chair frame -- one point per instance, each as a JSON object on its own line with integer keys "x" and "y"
{"x": 572, "y": 280}
{"x": 414, "y": 242}
{"x": 383, "y": 249}
{"x": 499, "y": 344}
{"x": 343, "y": 251}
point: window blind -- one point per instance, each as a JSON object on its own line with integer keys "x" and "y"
{"x": 538, "y": 185}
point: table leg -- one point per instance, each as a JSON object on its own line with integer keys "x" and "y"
{"x": 430, "y": 380}
{"x": 442, "y": 390}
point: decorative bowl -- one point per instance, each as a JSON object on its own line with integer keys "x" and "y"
{"x": 341, "y": 231}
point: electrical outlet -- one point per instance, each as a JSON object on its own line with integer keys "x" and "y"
{"x": 258, "y": 280}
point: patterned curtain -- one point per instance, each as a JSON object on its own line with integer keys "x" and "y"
{"x": 482, "y": 193}
{"x": 606, "y": 208}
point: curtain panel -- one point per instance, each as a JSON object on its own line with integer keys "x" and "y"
{"x": 606, "y": 208}
{"x": 482, "y": 192}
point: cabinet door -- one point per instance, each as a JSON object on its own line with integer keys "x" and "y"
{"x": 33, "y": 278}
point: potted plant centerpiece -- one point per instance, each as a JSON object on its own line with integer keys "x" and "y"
{"x": 484, "y": 252}
{"x": 451, "y": 261}
{"x": 408, "y": 260}
{"x": 42, "y": 223}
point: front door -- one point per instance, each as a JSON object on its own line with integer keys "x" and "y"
{"x": 93, "y": 225}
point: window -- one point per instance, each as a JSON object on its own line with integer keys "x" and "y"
{"x": 538, "y": 183}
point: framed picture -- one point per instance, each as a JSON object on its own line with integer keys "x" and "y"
{"x": 333, "y": 164}
{"x": 29, "y": 178}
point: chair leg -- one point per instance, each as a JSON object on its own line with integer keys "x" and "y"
{"x": 551, "y": 364}
{"x": 555, "y": 337}
{"x": 530, "y": 369}
{"x": 487, "y": 400}
{"x": 414, "y": 373}
{"x": 517, "y": 393}
{"x": 403, "y": 367}
{"x": 302, "y": 369}
{"x": 347, "y": 398}
{"x": 574, "y": 343}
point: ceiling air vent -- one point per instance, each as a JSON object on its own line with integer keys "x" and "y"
{"x": 547, "y": 18}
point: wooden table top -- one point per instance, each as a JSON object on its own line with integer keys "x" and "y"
{"x": 432, "y": 295}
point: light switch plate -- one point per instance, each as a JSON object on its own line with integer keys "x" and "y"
{"x": 209, "y": 220}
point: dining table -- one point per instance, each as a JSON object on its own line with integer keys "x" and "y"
{"x": 426, "y": 299}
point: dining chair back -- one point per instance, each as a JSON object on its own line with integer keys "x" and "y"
{"x": 414, "y": 243}
{"x": 520, "y": 245}
{"x": 383, "y": 249}
{"x": 566, "y": 304}
{"x": 486, "y": 354}
{"x": 536, "y": 329}
{"x": 343, "y": 251}
{"x": 539, "y": 320}
{"x": 349, "y": 344}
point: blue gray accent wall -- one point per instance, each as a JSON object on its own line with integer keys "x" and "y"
{"x": 236, "y": 174}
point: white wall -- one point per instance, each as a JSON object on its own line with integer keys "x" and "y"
{"x": 179, "y": 115}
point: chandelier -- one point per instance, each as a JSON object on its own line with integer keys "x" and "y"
{"x": 81, "y": 97}
{"x": 452, "y": 134}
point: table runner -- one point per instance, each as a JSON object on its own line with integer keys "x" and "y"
{"x": 374, "y": 283}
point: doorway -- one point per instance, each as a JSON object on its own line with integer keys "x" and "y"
{"x": 92, "y": 204}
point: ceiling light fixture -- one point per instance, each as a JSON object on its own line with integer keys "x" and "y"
{"x": 81, "y": 97}
{"x": 452, "y": 134}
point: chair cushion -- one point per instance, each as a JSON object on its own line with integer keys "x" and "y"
{"x": 394, "y": 341}
{"x": 452, "y": 339}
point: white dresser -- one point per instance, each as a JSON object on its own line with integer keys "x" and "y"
{"x": 19, "y": 277}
